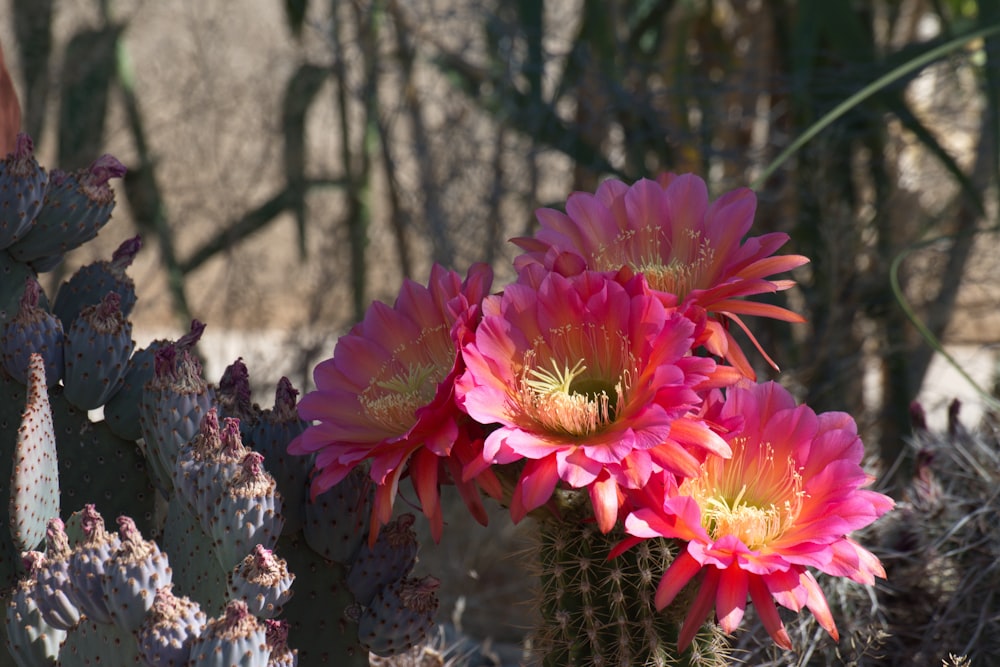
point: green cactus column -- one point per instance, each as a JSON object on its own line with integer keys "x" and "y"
{"x": 599, "y": 612}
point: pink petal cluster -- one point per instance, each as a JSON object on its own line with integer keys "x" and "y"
{"x": 609, "y": 367}
{"x": 387, "y": 396}
{"x": 785, "y": 501}
{"x": 591, "y": 381}
{"x": 692, "y": 252}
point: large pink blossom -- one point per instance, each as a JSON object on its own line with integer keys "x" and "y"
{"x": 590, "y": 379}
{"x": 785, "y": 501}
{"x": 387, "y": 396}
{"x": 692, "y": 252}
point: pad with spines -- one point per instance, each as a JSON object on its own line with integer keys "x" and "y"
{"x": 192, "y": 455}
{"x": 76, "y": 206}
{"x": 277, "y": 642}
{"x": 93, "y": 643}
{"x": 169, "y": 629}
{"x": 270, "y": 436}
{"x": 218, "y": 467}
{"x": 400, "y": 616}
{"x": 54, "y": 594}
{"x": 132, "y": 575}
{"x": 235, "y": 639}
{"x": 171, "y": 409}
{"x": 34, "y": 488}
{"x": 33, "y": 330}
{"x": 22, "y": 189}
{"x": 198, "y": 574}
{"x": 100, "y": 468}
{"x": 263, "y": 581}
{"x": 247, "y": 514}
{"x": 122, "y": 410}
{"x": 86, "y": 566}
{"x": 234, "y": 397}
{"x": 336, "y": 521}
{"x": 98, "y": 346}
{"x": 91, "y": 282}
{"x": 29, "y": 639}
{"x": 391, "y": 558}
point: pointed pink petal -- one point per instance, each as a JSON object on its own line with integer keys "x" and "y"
{"x": 538, "y": 481}
{"x": 817, "y": 604}
{"x": 731, "y": 600}
{"x": 696, "y": 433}
{"x": 675, "y": 578}
{"x": 424, "y": 477}
{"x": 604, "y": 498}
{"x": 700, "y": 608}
{"x": 768, "y": 613}
{"x": 758, "y": 309}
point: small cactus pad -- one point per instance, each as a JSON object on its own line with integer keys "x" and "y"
{"x": 263, "y": 581}
{"x": 87, "y": 566}
{"x": 29, "y": 639}
{"x": 392, "y": 557}
{"x": 169, "y": 629}
{"x": 235, "y": 639}
{"x": 400, "y": 616}
{"x": 133, "y": 574}
{"x": 22, "y": 189}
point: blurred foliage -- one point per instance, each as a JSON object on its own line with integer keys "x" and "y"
{"x": 455, "y": 119}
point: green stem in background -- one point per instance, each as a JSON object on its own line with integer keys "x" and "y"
{"x": 922, "y": 329}
{"x": 853, "y": 101}
{"x": 882, "y": 82}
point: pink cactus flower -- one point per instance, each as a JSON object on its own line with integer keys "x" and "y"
{"x": 591, "y": 381}
{"x": 786, "y": 500}
{"x": 387, "y": 396}
{"x": 691, "y": 251}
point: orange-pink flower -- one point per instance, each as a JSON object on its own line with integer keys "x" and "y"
{"x": 691, "y": 251}
{"x": 785, "y": 501}
{"x": 591, "y": 380}
{"x": 387, "y": 396}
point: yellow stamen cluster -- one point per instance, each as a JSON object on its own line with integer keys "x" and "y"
{"x": 749, "y": 497}
{"x": 676, "y": 270}
{"x": 566, "y": 400}
{"x": 402, "y": 386}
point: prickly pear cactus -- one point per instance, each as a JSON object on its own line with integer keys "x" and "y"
{"x": 221, "y": 554}
{"x": 34, "y": 489}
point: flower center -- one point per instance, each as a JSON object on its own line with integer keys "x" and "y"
{"x": 567, "y": 401}
{"x": 749, "y": 496}
{"x": 676, "y": 277}
{"x": 407, "y": 381}
{"x": 676, "y": 268}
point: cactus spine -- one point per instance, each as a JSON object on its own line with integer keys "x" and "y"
{"x": 597, "y": 611}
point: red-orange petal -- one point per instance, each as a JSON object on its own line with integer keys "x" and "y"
{"x": 675, "y": 578}
{"x": 700, "y": 608}
{"x": 768, "y": 613}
